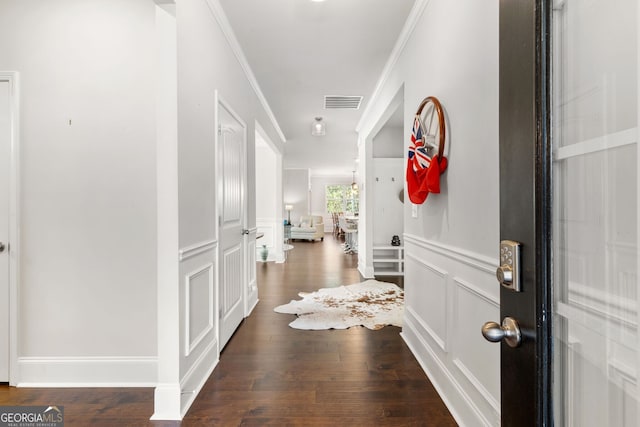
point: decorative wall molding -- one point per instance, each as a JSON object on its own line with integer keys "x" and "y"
{"x": 482, "y": 390}
{"x": 197, "y": 375}
{"x": 462, "y": 367}
{"x": 463, "y": 408}
{"x": 480, "y": 293}
{"x": 192, "y": 342}
{"x": 88, "y": 371}
{"x": 197, "y": 249}
{"x": 416, "y": 319}
{"x": 613, "y": 308}
{"x": 412, "y": 20}
{"x": 467, "y": 394}
{"x": 436, "y": 270}
{"x": 167, "y": 402}
{"x": 480, "y": 262}
{"x": 225, "y": 26}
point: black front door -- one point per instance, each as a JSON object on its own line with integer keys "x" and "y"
{"x": 569, "y": 216}
{"x": 525, "y": 195}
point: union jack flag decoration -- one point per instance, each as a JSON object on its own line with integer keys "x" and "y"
{"x": 418, "y": 155}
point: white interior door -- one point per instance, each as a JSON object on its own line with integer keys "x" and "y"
{"x": 596, "y": 338}
{"x": 231, "y": 155}
{"x": 5, "y": 163}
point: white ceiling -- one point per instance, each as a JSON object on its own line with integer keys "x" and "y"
{"x": 300, "y": 51}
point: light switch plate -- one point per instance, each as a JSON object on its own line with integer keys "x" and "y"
{"x": 414, "y": 211}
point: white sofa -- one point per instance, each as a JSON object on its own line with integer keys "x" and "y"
{"x": 310, "y": 227}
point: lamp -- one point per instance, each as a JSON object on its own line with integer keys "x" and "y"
{"x": 318, "y": 128}
{"x": 354, "y": 184}
{"x": 288, "y": 208}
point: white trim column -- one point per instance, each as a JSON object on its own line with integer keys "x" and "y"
{"x": 167, "y": 393}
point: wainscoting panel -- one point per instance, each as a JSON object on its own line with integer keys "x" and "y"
{"x": 231, "y": 290}
{"x": 426, "y": 298}
{"x": 267, "y": 227}
{"x": 198, "y": 320}
{"x": 272, "y": 230}
{"x": 449, "y": 294}
{"x": 199, "y": 310}
{"x": 473, "y": 355}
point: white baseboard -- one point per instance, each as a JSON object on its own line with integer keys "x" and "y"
{"x": 196, "y": 377}
{"x": 366, "y": 271}
{"x": 166, "y": 402}
{"x": 252, "y": 306}
{"x": 87, "y": 371}
{"x": 461, "y": 406}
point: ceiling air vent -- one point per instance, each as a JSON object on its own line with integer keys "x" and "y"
{"x": 340, "y": 101}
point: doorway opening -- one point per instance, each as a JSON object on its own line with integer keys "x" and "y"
{"x": 269, "y": 203}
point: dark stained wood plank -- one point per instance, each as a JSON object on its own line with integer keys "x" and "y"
{"x": 272, "y": 375}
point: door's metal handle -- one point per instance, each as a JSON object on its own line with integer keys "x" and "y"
{"x": 245, "y": 231}
{"x": 1, "y": 247}
{"x": 509, "y": 331}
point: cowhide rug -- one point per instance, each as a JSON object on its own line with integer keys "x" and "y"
{"x": 372, "y": 304}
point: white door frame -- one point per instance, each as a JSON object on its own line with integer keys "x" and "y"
{"x": 14, "y": 221}
{"x": 278, "y": 234}
{"x": 365, "y": 154}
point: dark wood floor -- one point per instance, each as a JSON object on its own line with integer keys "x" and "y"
{"x": 273, "y": 375}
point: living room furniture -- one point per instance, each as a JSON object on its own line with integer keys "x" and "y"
{"x": 349, "y": 228}
{"x": 310, "y": 227}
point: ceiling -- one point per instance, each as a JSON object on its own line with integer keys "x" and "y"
{"x": 300, "y": 51}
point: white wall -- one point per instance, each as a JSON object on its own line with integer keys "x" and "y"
{"x": 89, "y": 294}
{"x": 88, "y": 194}
{"x": 208, "y": 62}
{"x": 295, "y": 184}
{"x": 389, "y": 143}
{"x": 388, "y": 210}
{"x": 388, "y": 150}
{"x": 268, "y": 215}
{"x": 450, "y": 288}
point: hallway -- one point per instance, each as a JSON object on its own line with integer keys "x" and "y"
{"x": 270, "y": 374}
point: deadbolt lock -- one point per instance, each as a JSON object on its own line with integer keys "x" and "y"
{"x": 508, "y": 274}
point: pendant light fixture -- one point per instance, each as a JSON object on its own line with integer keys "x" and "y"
{"x": 354, "y": 184}
{"x": 317, "y": 127}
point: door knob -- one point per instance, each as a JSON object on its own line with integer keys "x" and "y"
{"x": 509, "y": 331}
{"x": 245, "y": 231}
{"x": 1, "y": 247}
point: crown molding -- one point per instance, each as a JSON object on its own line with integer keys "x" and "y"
{"x": 227, "y": 30}
{"x": 416, "y": 12}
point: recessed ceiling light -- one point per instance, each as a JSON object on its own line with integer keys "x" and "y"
{"x": 317, "y": 1}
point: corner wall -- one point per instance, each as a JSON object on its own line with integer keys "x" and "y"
{"x": 210, "y": 68}
{"x": 87, "y": 312}
{"x": 451, "y": 52}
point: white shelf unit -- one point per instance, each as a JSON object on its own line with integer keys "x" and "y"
{"x": 388, "y": 260}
